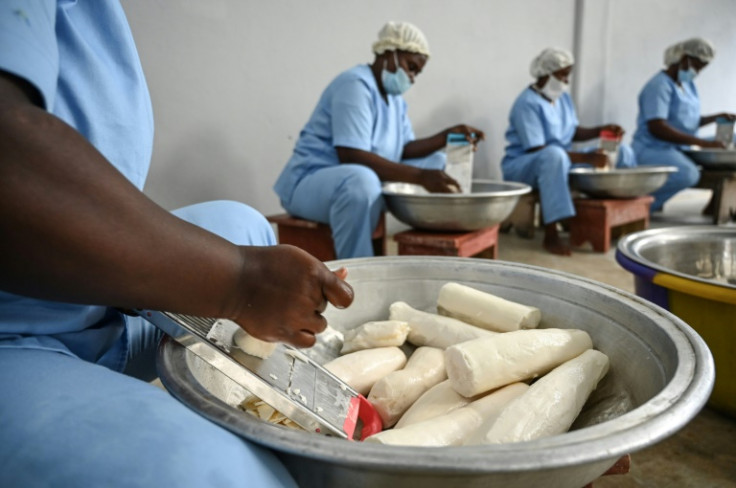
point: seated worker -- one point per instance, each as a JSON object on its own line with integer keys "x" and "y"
{"x": 669, "y": 117}
{"x": 542, "y": 127}
{"x": 81, "y": 241}
{"x": 360, "y": 135}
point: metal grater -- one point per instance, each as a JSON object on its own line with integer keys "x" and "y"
{"x": 287, "y": 380}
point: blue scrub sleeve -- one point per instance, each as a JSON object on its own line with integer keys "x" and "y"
{"x": 528, "y": 125}
{"x": 655, "y": 101}
{"x": 28, "y": 46}
{"x": 352, "y": 117}
{"x": 406, "y": 128}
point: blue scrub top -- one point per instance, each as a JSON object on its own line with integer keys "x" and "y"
{"x": 534, "y": 122}
{"x": 82, "y": 59}
{"x": 662, "y": 98}
{"x": 350, "y": 113}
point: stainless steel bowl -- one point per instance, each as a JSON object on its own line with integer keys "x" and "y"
{"x": 488, "y": 203}
{"x": 661, "y": 375}
{"x": 620, "y": 183}
{"x": 716, "y": 159}
{"x": 702, "y": 253}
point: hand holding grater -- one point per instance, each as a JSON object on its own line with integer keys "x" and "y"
{"x": 287, "y": 380}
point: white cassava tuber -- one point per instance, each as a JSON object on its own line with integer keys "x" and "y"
{"x": 452, "y": 428}
{"x": 429, "y": 329}
{"x": 250, "y": 345}
{"x": 393, "y": 394}
{"x": 485, "y": 310}
{"x": 361, "y": 369}
{"x": 552, "y": 403}
{"x": 438, "y": 400}
{"x": 380, "y": 333}
{"x": 481, "y": 365}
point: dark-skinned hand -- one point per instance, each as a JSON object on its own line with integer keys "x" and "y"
{"x": 597, "y": 159}
{"x": 284, "y": 291}
{"x": 437, "y": 181}
{"x": 472, "y": 135}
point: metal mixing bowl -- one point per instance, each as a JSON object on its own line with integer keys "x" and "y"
{"x": 619, "y": 183}
{"x": 691, "y": 271}
{"x": 661, "y": 375}
{"x": 717, "y": 159}
{"x": 488, "y": 203}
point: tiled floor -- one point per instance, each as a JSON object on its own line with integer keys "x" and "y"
{"x": 703, "y": 454}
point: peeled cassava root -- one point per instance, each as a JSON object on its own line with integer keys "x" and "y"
{"x": 396, "y": 392}
{"x": 485, "y": 310}
{"x": 362, "y": 369}
{"x": 428, "y": 329}
{"x": 552, "y": 403}
{"x": 250, "y": 345}
{"x": 487, "y": 363}
{"x": 438, "y": 400}
{"x": 379, "y": 333}
{"x": 452, "y": 428}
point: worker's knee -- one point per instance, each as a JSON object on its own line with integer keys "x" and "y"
{"x": 553, "y": 159}
{"x": 361, "y": 187}
{"x": 689, "y": 175}
{"x": 231, "y": 220}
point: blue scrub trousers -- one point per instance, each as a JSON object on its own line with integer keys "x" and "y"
{"x": 686, "y": 176}
{"x": 348, "y": 198}
{"x": 547, "y": 171}
{"x": 68, "y": 422}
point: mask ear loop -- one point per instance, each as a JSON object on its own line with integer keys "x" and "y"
{"x": 396, "y": 62}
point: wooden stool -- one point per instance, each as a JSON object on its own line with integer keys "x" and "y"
{"x": 723, "y": 202}
{"x": 595, "y": 218}
{"x": 316, "y": 238}
{"x": 524, "y": 216}
{"x": 481, "y": 243}
{"x": 622, "y": 466}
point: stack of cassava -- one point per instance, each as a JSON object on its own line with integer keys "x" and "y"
{"x": 481, "y": 373}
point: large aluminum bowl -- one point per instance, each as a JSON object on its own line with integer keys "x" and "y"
{"x": 714, "y": 159}
{"x": 691, "y": 271}
{"x": 488, "y": 203}
{"x": 621, "y": 182}
{"x": 661, "y": 375}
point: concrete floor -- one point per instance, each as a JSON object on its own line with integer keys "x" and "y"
{"x": 703, "y": 453}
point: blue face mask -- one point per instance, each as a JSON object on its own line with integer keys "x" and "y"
{"x": 686, "y": 76}
{"x": 395, "y": 83}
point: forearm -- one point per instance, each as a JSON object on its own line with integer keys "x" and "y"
{"x": 385, "y": 169}
{"x": 576, "y": 157}
{"x": 420, "y": 148}
{"x": 74, "y": 229}
{"x": 662, "y": 130}
{"x": 586, "y": 133}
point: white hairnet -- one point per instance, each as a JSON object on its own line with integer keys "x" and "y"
{"x": 695, "y": 47}
{"x": 550, "y": 60}
{"x": 401, "y": 35}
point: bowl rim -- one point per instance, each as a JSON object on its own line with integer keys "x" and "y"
{"x": 624, "y": 171}
{"x": 515, "y": 189}
{"x": 661, "y": 416}
{"x": 630, "y": 245}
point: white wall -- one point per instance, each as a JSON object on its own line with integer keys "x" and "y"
{"x": 623, "y": 43}
{"x": 233, "y": 81}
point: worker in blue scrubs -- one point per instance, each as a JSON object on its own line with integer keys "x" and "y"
{"x": 80, "y": 242}
{"x": 543, "y": 125}
{"x": 669, "y": 117}
{"x": 358, "y": 136}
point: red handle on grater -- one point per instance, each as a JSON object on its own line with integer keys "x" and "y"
{"x": 361, "y": 408}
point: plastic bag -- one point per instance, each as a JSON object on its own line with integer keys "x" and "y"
{"x": 460, "y": 160}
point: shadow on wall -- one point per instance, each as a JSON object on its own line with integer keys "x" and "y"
{"x": 203, "y": 167}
